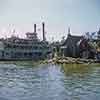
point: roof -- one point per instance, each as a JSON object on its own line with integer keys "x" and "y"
{"x": 73, "y": 39}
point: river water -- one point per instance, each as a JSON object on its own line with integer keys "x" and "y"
{"x": 49, "y": 82}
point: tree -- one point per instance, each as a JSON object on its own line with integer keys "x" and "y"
{"x": 98, "y": 34}
{"x": 98, "y": 38}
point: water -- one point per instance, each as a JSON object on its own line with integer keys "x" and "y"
{"x": 49, "y": 82}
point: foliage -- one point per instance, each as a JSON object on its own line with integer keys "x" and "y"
{"x": 98, "y": 39}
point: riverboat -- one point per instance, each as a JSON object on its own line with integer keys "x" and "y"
{"x": 31, "y": 47}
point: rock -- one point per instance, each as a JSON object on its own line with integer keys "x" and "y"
{"x": 70, "y": 60}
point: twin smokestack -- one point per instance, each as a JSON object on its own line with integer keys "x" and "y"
{"x": 43, "y": 30}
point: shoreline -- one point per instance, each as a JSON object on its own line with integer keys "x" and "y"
{"x": 70, "y": 60}
{"x": 55, "y": 60}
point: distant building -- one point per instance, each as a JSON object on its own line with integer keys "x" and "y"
{"x": 77, "y": 46}
{"x": 70, "y": 46}
{"x": 86, "y": 49}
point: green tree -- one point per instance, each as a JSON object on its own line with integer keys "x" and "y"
{"x": 98, "y": 38}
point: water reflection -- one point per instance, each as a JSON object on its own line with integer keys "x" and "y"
{"x": 49, "y": 82}
{"x": 80, "y": 82}
{"x": 75, "y": 69}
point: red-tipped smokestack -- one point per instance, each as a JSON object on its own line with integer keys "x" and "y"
{"x": 34, "y": 28}
{"x": 43, "y": 27}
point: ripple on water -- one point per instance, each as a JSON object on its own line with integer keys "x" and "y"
{"x": 49, "y": 82}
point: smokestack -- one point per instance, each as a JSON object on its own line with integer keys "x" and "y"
{"x": 43, "y": 27}
{"x": 34, "y": 28}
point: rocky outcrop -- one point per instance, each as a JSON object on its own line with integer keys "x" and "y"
{"x": 70, "y": 60}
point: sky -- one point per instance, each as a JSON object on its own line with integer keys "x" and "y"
{"x": 20, "y": 15}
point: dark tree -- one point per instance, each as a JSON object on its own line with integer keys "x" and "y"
{"x": 98, "y": 38}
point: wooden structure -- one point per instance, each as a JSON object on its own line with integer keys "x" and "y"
{"x": 70, "y": 46}
{"x": 77, "y": 46}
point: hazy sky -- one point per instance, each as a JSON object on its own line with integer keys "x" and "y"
{"x": 80, "y": 15}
